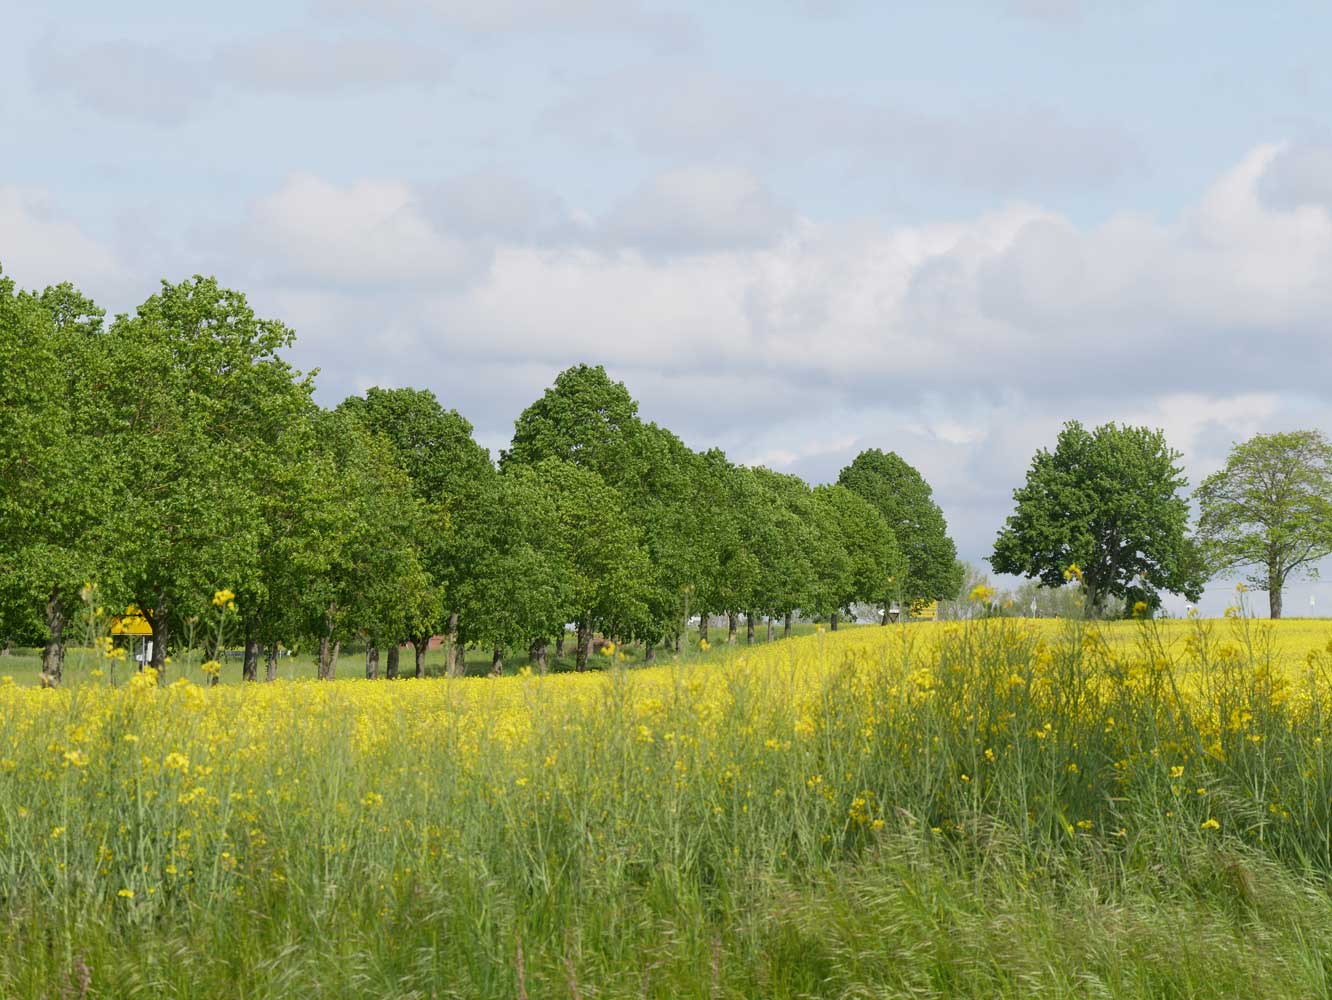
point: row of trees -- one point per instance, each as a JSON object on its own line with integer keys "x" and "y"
{"x": 1108, "y": 507}
{"x": 173, "y": 452}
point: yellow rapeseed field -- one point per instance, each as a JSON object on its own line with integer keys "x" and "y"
{"x": 123, "y": 806}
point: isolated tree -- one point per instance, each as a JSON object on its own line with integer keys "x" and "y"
{"x": 1110, "y": 502}
{"x": 904, "y": 498}
{"x": 1269, "y": 508}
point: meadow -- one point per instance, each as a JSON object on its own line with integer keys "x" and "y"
{"x": 989, "y": 808}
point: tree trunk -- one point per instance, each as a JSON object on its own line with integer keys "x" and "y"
{"x": 250, "y": 666}
{"x": 391, "y": 668}
{"x": 559, "y": 645}
{"x": 325, "y": 658}
{"x": 786, "y": 626}
{"x": 497, "y": 662}
{"x": 6, "y": 646}
{"x": 749, "y": 628}
{"x": 333, "y": 667}
{"x": 584, "y": 641}
{"x": 649, "y": 652}
{"x": 372, "y": 662}
{"x": 272, "y": 654}
{"x": 832, "y": 622}
{"x": 771, "y": 627}
{"x": 454, "y": 658}
{"x": 419, "y": 646}
{"x": 732, "y": 623}
{"x": 1274, "y": 600}
{"x": 884, "y": 620}
{"x": 53, "y": 654}
{"x": 537, "y": 654}
{"x": 702, "y": 628}
{"x": 158, "y": 622}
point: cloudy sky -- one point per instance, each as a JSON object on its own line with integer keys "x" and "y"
{"x": 794, "y": 228}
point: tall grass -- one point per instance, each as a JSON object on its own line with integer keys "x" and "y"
{"x": 981, "y": 809}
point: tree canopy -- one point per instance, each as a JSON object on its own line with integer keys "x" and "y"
{"x": 1269, "y": 510}
{"x": 1106, "y": 506}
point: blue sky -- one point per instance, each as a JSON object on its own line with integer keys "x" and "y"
{"x": 795, "y": 229}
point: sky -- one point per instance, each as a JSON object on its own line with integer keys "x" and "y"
{"x": 793, "y": 228}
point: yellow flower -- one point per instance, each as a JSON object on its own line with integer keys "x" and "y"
{"x": 1139, "y": 609}
{"x": 223, "y": 599}
{"x": 1211, "y": 824}
{"x": 1074, "y": 572}
{"x": 211, "y": 667}
{"x": 1177, "y": 771}
{"x": 981, "y": 594}
{"x": 126, "y": 894}
{"x": 608, "y": 649}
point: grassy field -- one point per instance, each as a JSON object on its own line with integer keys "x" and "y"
{"x": 989, "y": 809}
{"x": 24, "y": 666}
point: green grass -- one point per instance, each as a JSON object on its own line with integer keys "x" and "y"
{"x": 24, "y": 665}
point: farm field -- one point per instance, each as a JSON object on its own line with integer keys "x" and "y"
{"x": 990, "y": 808}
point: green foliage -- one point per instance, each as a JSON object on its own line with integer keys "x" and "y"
{"x": 606, "y": 565}
{"x": 905, "y": 500}
{"x": 1110, "y": 502}
{"x": 198, "y": 402}
{"x": 1269, "y": 508}
{"x": 584, "y": 419}
{"x": 869, "y": 563}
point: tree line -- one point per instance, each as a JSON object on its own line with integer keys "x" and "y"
{"x": 172, "y": 452}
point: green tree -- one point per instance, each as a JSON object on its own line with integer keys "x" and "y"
{"x": 372, "y": 583}
{"x": 606, "y": 565}
{"x": 786, "y": 551}
{"x": 1269, "y": 508}
{"x": 584, "y": 419}
{"x": 199, "y": 397}
{"x": 449, "y": 473}
{"x": 872, "y": 560}
{"x": 1109, "y": 501}
{"x": 905, "y": 500}
{"x": 57, "y": 469}
{"x": 520, "y": 591}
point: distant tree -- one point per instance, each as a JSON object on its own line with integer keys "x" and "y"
{"x": 520, "y": 592}
{"x": 200, "y": 398}
{"x": 1110, "y": 502}
{"x": 785, "y": 554}
{"x": 873, "y": 560}
{"x": 584, "y": 419}
{"x": 372, "y": 582}
{"x": 57, "y": 471}
{"x": 607, "y": 567}
{"x": 905, "y": 500}
{"x": 1269, "y": 508}
{"x": 449, "y": 473}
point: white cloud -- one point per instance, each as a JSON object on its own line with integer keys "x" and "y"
{"x": 699, "y": 208}
{"x": 124, "y": 79}
{"x": 41, "y": 247}
{"x": 369, "y": 235}
{"x": 501, "y": 17}
{"x": 298, "y": 62}
{"x": 666, "y": 110}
